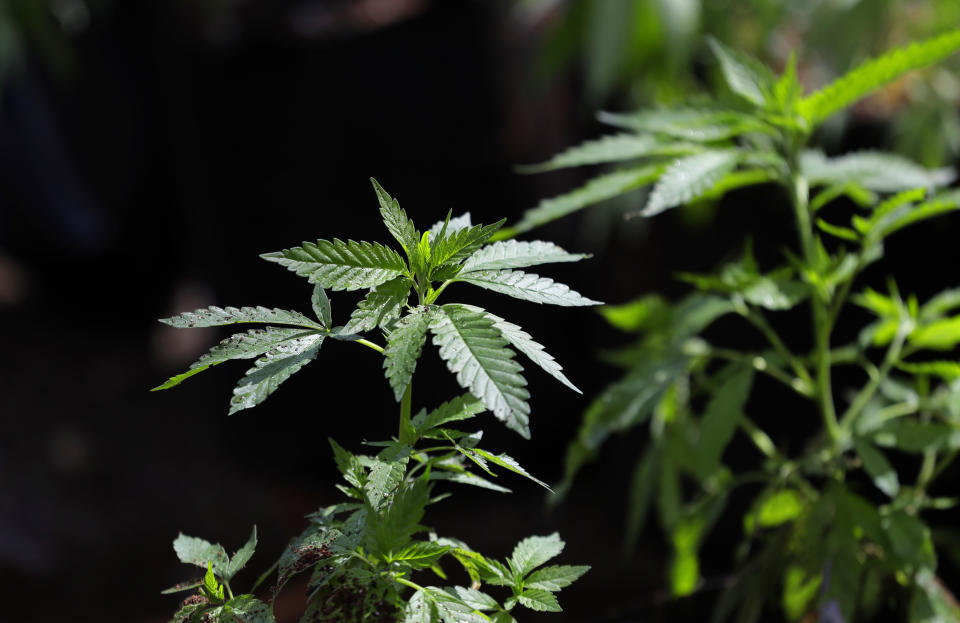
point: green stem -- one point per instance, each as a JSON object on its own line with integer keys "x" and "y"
{"x": 865, "y": 394}
{"x": 407, "y": 582}
{"x": 760, "y": 364}
{"x": 436, "y": 293}
{"x": 759, "y": 321}
{"x": 379, "y": 349}
{"x": 406, "y": 433}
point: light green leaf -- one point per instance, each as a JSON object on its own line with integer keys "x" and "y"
{"x": 321, "y": 306}
{"x": 876, "y": 464}
{"x": 684, "y": 572}
{"x": 460, "y": 408}
{"x": 452, "y": 609}
{"x": 745, "y": 75}
{"x": 242, "y": 556}
{"x": 938, "y": 335}
{"x": 455, "y": 224}
{"x": 404, "y": 345}
{"x": 874, "y": 73}
{"x": 456, "y": 246}
{"x": 910, "y": 214}
{"x": 195, "y": 551}
{"x": 212, "y": 588}
{"x": 916, "y": 436}
{"x": 475, "y": 351}
{"x": 401, "y": 227}
{"x": 419, "y": 554}
{"x": 385, "y": 474}
{"x": 338, "y": 265}
{"x": 555, "y": 577}
{"x": 702, "y": 125}
{"x": 216, "y": 316}
{"x": 533, "y": 551}
{"x": 275, "y": 367}
{"x": 474, "y": 598}
{"x": 420, "y": 609}
{"x": 774, "y": 509}
{"x": 874, "y": 170}
{"x": 517, "y": 254}
{"x": 688, "y": 178}
{"x": 522, "y": 341}
{"x": 466, "y": 478}
{"x": 598, "y": 189}
{"x": 637, "y": 314}
{"x": 507, "y": 462}
{"x": 539, "y": 600}
{"x": 390, "y": 529}
{"x": 719, "y": 423}
{"x": 932, "y": 602}
{"x": 799, "y": 590}
{"x": 527, "y": 287}
{"x": 613, "y": 148}
{"x": 381, "y": 306}
{"x": 249, "y": 345}
{"x": 936, "y": 307}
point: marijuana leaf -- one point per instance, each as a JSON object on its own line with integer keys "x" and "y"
{"x": 527, "y": 287}
{"x": 688, "y": 178}
{"x": 338, "y": 265}
{"x": 274, "y": 368}
{"x": 403, "y": 349}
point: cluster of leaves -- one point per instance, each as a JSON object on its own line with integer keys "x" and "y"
{"x": 363, "y": 553}
{"x": 818, "y": 534}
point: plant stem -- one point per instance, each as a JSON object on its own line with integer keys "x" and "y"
{"x": 379, "y": 349}
{"x": 432, "y": 297}
{"x": 760, "y": 322}
{"x": 406, "y": 432}
{"x": 865, "y": 394}
{"x": 800, "y": 198}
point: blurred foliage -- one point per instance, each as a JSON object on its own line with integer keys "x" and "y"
{"x": 651, "y": 52}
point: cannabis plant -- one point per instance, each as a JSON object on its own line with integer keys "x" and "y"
{"x": 837, "y": 526}
{"x": 365, "y": 556}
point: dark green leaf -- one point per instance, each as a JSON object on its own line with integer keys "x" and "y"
{"x": 404, "y": 345}
{"x": 338, "y": 265}
{"x": 721, "y": 418}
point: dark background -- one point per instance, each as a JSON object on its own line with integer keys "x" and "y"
{"x": 150, "y": 152}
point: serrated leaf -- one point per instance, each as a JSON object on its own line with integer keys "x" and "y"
{"x": 719, "y": 423}
{"x": 189, "y": 613}
{"x": 419, "y": 554}
{"x": 459, "y": 408}
{"x": 339, "y": 265}
{"x": 539, "y": 600}
{"x": 453, "y": 225}
{"x": 598, "y": 189}
{"x": 216, "y": 316}
{"x": 467, "y": 478}
{"x": 275, "y": 367}
{"x": 527, "y": 287}
{"x": 688, "y": 178}
{"x": 745, "y": 75}
{"x": 385, "y": 474}
{"x": 517, "y": 254}
{"x": 878, "y": 467}
{"x": 349, "y": 465}
{"x": 404, "y": 345}
{"x": 390, "y": 529}
{"x": 195, "y": 551}
{"x": 533, "y": 551}
{"x": 613, "y": 148}
{"x": 474, "y": 598}
{"x": 242, "y": 555}
{"x": 702, "y": 125}
{"x": 475, "y": 351}
{"x": 381, "y": 307}
{"x": 321, "y": 306}
{"x": 910, "y": 214}
{"x": 873, "y": 170}
{"x": 179, "y": 587}
{"x": 452, "y": 609}
{"x": 523, "y": 342}
{"x": 249, "y": 345}
{"x": 555, "y": 577}
{"x": 874, "y": 73}
{"x": 395, "y": 218}
{"x": 244, "y": 609}
{"x": 457, "y": 245}
{"x": 509, "y": 463}
{"x": 212, "y": 588}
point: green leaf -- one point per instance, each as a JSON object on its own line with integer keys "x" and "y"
{"x": 460, "y": 408}
{"x": 216, "y": 316}
{"x": 910, "y": 540}
{"x": 390, "y": 530}
{"x": 338, "y": 265}
{"x": 916, "y": 436}
{"x": 523, "y": 342}
{"x": 637, "y": 314}
{"x": 420, "y": 609}
{"x": 466, "y": 478}
{"x": 180, "y": 587}
{"x": 321, "y": 306}
{"x": 404, "y": 345}
{"x": 555, "y": 577}
{"x": 932, "y": 602}
{"x": 401, "y": 227}
{"x": 249, "y": 345}
{"x": 419, "y": 554}
{"x": 719, "y": 423}
{"x": 194, "y": 551}
{"x": 598, "y": 189}
{"x": 688, "y": 178}
{"x": 527, "y": 287}
{"x": 946, "y": 370}
{"x": 799, "y": 590}
{"x": 242, "y": 556}
{"x": 938, "y": 335}
{"x": 539, "y": 600}
{"x": 613, "y": 148}
{"x": 702, "y": 125}
{"x": 745, "y": 75}
{"x": 872, "y": 170}
{"x": 475, "y": 351}
{"x": 453, "y": 225}
{"x": 349, "y": 465}
{"x": 533, "y": 551}
{"x": 507, "y": 462}
{"x": 942, "y": 303}
{"x": 879, "y": 468}
{"x": 456, "y": 246}
{"x": 212, "y": 588}
{"x": 874, "y": 73}
{"x": 244, "y": 609}
{"x": 517, "y": 254}
{"x": 385, "y": 474}
{"x": 381, "y": 306}
{"x": 774, "y": 509}
{"x": 275, "y": 367}
{"x": 642, "y": 485}
{"x": 909, "y": 214}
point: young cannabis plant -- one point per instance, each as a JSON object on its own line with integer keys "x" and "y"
{"x": 363, "y": 552}
{"x": 813, "y": 535}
